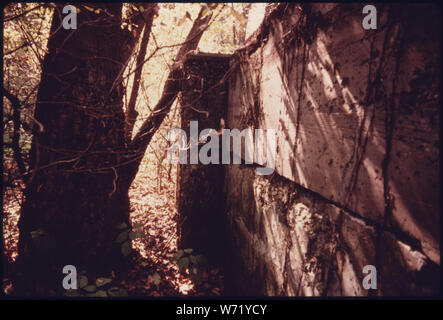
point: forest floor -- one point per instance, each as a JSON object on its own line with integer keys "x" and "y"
{"x": 155, "y": 273}
{"x": 155, "y": 209}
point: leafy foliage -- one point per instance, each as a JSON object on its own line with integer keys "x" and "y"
{"x": 102, "y": 288}
{"x": 128, "y": 234}
{"x": 195, "y": 265}
{"x": 26, "y": 30}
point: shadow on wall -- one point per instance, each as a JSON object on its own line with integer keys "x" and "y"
{"x": 351, "y": 131}
{"x": 356, "y": 112}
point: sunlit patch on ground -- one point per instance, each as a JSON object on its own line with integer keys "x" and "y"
{"x": 154, "y": 208}
{"x": 11, "y": 214}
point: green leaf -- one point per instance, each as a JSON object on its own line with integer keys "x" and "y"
{"x": 99, "y": 294}
{"x": 90, "y": 288}
{"x": 178, "y": 255}
{"x": 71, "y": 293}
{"x": 122, "y": 237}
{"x": 102, "y": 281}
{"x": 122, "y": 225}
{"x": 132, "y": 235}
{"x": 37, "y": 233}
{"x": 155, "y": 279}
{"x": 126, "y": 248}
{"x": 82, "y": 281}
{"x": 137, "y": 225}
{"x": 189, "y": 250}
{"x": 140, "y": 234}
{"x": 183, "y": 264}
{"x": 193, "y": 259}
{"x": 117, "y": 292}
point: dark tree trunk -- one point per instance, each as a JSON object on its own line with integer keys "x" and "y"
{"x": 81, "y": 169}
{"x": 74, "y": 198}
{"x": 131, "y": 112}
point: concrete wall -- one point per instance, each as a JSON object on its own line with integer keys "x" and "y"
{"x": 356, "y": 114}
{"x": 200, "y": 197}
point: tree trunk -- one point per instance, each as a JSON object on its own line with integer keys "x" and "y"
{"x": 80, "y": 169}
{"x": 73, "y": 197}
{"x": 131, "y": 112}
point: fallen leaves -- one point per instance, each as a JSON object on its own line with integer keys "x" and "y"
{"x": 157, "y": 272}
{"x": 153, "y": 235}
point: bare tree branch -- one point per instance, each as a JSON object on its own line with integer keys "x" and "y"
{"x": 9, "y": 18}
{"x": 170, "y": 91}
{"x": 138, "y": 19}
{"x": 15, "y": 103}
{"x": 25, "y": 44}
{"x": 171, "y": 87}
{"x": 131, "y": 113}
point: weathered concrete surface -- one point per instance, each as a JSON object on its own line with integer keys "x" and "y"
{"x": 293, "y": 242}
{"x": 356, "y": 114}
